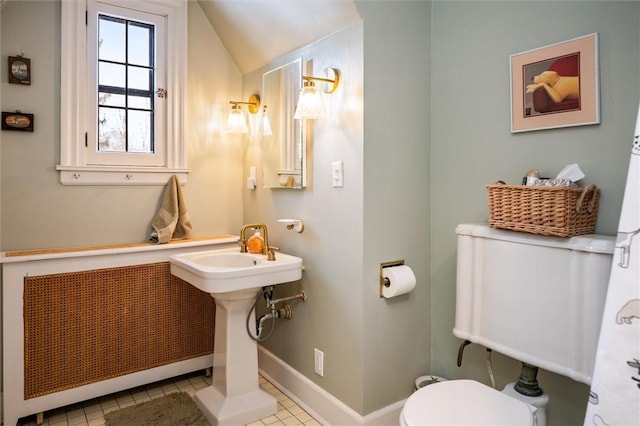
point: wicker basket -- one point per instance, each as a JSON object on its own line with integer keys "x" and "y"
{"x": 544, "y": 210}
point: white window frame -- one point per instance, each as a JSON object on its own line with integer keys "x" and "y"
{"x": 74, "y": 100}
{"x": 95, "y": 156}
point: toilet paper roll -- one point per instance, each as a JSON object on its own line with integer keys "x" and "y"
{"x": 401, "y": 281}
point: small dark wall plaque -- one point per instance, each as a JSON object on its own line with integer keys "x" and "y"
{"x": 19, "y": 70}
{"x": 17, "y": 121}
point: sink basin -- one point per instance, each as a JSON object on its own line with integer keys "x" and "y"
{"x": 226, "y": 260}
{"x": 226, "y": 270}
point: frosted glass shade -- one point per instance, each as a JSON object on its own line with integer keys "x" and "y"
{"x": 236, "y": 122}
{"x": 266, "y": 125}
{"x": 310, "y": 105}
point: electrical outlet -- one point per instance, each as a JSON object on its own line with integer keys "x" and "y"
{"x": 318, "y": 361}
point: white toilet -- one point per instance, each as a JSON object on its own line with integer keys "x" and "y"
{"x": 537, "y": 299}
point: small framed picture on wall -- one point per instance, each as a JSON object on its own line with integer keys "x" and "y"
{"x": 19, "y": 70}
{"x": 556, "y": 86}
{"x": 17, "y": 121}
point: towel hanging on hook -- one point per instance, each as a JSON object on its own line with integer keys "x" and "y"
{"x": 172, "y": 219}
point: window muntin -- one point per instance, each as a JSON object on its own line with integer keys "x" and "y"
{"x": 125, "y": 85}
{"x": 126, "y": 54}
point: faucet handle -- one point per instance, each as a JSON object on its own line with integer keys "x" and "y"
{"x": 271, "y": 254}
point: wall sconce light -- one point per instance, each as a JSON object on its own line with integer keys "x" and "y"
{"x": 236, "y": 122}
{"x": 266, "y": 125}
{"x": 310, "y": 105}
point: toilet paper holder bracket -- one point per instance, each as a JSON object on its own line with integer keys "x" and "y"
{"x": 384, "y": 281}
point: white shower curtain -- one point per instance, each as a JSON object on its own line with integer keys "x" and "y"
{"x": 615, "y": 388}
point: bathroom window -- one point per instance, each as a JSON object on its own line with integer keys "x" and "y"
{"x": 121, "y": 101}
{"x": 126, "y": 82}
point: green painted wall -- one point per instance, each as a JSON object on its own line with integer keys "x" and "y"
{"x": 471, "y": 144}
{"x": 39, "y": 212}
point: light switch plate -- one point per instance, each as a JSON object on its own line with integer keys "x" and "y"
{"x": 251, "y": 180}
{"x": 337, "y": 174}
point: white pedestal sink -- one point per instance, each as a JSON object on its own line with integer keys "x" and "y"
{"x": 234, "y": 279}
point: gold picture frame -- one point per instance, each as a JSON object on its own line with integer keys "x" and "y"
{"x": 556, "y": 86}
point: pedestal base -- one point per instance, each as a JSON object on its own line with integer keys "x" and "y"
{"x": 234, "y": 397}
{"x": 237, "y": 410}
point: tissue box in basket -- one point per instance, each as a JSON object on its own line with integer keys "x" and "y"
{"x": 544, "y": 210}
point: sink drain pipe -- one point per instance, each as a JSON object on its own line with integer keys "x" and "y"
{"x": 274, "y": 313}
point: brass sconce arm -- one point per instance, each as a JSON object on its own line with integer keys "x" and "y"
{"x": 254, "y": 103}
{"x": 335, "y": 80}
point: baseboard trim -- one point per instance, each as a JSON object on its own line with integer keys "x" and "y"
{"x": 323, "y": 406}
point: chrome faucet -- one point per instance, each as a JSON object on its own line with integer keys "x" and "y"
{"x": 267, "y": 250}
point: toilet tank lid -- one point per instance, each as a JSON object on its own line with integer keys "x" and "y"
{"x": 594, "y": 243}
{"x": 459, "y": 402}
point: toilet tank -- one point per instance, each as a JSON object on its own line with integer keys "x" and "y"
{"x": 537, "y": 299}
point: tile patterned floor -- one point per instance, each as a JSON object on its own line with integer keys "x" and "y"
{"x": 91, "y": 413}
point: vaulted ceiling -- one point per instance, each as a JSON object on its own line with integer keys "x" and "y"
{"x": 255, "y": 32}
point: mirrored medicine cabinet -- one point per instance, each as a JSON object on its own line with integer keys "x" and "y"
{"x": 284, "y": 151}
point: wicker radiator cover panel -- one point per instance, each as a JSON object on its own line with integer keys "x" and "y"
{"x": 85, "y": 327}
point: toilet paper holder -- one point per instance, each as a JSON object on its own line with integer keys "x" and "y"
{"x": 384, "y": 281}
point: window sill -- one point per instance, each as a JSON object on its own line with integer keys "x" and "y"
{"x": 87, "y": 175}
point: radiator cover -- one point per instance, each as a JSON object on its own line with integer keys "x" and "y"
{"x": 88, "y": 326}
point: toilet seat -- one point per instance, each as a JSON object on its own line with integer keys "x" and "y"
{"x": 460, "y": 402}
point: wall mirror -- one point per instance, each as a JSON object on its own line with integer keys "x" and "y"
{"x": 284, "y": 151}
